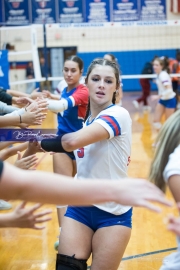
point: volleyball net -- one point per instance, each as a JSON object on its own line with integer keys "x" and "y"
{"x": 132, "y": 43}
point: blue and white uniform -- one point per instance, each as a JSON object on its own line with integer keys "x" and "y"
{"x": 106, "y": 159}
{"x": 167, "y": 96}
{"x": 172, "y": 262}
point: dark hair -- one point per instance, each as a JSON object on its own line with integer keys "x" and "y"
{"x": 103, "y": 62}
{"x": 164, "y": 62}
{"x": 77, "y": 60}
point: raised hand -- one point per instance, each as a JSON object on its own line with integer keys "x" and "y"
{"x": 24, "y": 101}
{"x": 35, "y": 94}
{"x": 33, "y": 114}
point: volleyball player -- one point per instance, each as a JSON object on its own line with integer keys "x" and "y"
{"x": 165, "y": 170}
{"x": 104, "y": 147}
{"x": 167, "y": 101}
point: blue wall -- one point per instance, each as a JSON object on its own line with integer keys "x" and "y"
{"x": 131, "y": 63}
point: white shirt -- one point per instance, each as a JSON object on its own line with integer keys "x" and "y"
{"x": 172, "y": 262}
{"x": 173, "y": 165}
{"x": 163, "y": 80}
{"x": 108, "y": 159}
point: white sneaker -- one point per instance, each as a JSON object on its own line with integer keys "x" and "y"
{"x": 5, "y": 205}
{"x": 136, "y": 104}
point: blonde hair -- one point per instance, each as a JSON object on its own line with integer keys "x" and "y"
{"x": 167, "y": 140}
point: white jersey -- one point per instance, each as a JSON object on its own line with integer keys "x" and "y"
{"x": 173, "y": 165}
{"x": 108, "y": 159}
{"x": 172, "y": 262}
{"x": 162, "y": 81}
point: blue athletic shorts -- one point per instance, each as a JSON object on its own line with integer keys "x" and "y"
{"x": 96, "y": 218}
{"x": 169, "y": 103}
{"x": 71, "y": 155}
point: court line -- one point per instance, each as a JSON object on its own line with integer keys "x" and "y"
{"x": 146, "y": 254}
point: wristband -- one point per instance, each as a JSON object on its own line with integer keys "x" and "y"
{"x": 53, "y": 145}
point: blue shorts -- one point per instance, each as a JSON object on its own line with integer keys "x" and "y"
{"x": 96, "y": 218}
{"x": 71, "y": 155}
{"x": 169, "y": 103}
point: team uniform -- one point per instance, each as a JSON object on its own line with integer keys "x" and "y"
{"x": 167, "y": 96}
{"x": 71, "y": 119}
{"x": 107, "y": 159}
{"x": 172, "y": 262}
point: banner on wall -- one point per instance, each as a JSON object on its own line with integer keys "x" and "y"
{"x": 175, "y": 6}
{"x": 1, "y": 14}
{"x": 152, "y": 10}
{"x": 97, "y": 11}
{"x": 23, "y": 12}
{"x": 125, "y": 10}
{"x": 70, "y": 11}
{"x": 43, "y": 11}
{"x": 4, "y": 69}
{"x": 16, "y": 12}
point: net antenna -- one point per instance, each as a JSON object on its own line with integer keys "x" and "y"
{"x": 33, "y": 52}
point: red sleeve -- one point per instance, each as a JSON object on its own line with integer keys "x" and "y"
{"x": 81, "y": 95}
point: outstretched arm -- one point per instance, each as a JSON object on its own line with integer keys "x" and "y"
{"x": 80, "y": 97}
{"x": 52, "y": 188}
{"x": 6, "y": 153}
{"x": 75, "y": 140}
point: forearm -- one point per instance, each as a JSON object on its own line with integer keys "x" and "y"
{"x": 17, "y": 93}
{"x": 75, "y": 140}
{"x": 9, "y": 120}
{"x": 55, "y": 97}
{"x": 6, "y": 220}
{"x": 5, "y": 144}
{"x": 4, "y": 108}
{"x": 13, "y": 151}
{"x": 52, "y": 188}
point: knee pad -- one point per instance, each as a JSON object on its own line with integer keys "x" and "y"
{"x": 157, "y": 125}
{"x": 64, "y": 262}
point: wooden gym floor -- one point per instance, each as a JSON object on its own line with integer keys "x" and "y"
{"x": 26, "y": 249}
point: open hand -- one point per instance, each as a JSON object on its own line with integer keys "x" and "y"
{"x": 27, "y": 218}
{"x": 25, "y": 163}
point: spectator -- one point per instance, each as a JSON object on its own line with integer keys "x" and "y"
{"x": 29, "y": 76}
{"x": 146, "y": 86}
{"x": 44, "y": 73}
